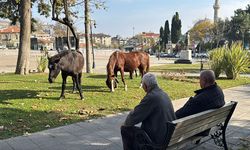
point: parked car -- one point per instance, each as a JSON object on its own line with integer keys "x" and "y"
{"x": 164, "y": 55}
{"x": 2, "y": 46}
{"x": 177, "y": 56}
{"x": 202, "y": 55}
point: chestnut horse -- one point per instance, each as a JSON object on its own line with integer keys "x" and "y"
{"x": 125, "y": 62}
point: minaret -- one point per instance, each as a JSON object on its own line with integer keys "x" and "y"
{"x": 216, "y": 10}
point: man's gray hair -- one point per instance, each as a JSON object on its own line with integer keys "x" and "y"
{"x": 149, "y": 80}
{"x": 208, "y": 76}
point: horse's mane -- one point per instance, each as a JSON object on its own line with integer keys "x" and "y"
{"x": 62, "y": 54}
{"x": 111, "y": 64}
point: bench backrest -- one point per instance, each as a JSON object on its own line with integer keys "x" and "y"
{"x": 189, "y": 126}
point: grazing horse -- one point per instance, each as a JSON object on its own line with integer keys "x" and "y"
{"x": 70, "y": 63}
{"x": 125, "y": 62}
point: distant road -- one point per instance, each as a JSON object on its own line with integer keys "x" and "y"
{"x": 8, "y": 60}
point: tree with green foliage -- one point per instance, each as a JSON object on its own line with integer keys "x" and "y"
{"x": 175, "y": 28}
{"x": 161, "y": 38}
{"x": 20, "y": 10}
{"x": 166, "y": 36}
{"x": 241, "y": 24}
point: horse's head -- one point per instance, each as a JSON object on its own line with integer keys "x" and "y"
{"x": 54, "y": 70}
{"x": 112, "y": 82}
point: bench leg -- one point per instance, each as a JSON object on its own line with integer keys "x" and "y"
{"x": 224, "y": 139}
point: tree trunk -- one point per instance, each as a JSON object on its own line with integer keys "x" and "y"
{"x": 22, "y": 66}
{"x": 87, "y": 37}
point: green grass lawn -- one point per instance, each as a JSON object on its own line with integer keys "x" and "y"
{"x": 29, "y": 103}
{"x": 188, "y": 68}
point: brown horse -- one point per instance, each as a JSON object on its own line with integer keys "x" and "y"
{"x": 125, "y": 62}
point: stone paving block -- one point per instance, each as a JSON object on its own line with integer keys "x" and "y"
{"x": 64, "y": 137}
{"x": 43, "y": 139}
{"x": 94, "y": 139}
{"x": 114, "y": 147}
{"x": 73, "y": 128}
{"x": 22, "y": 143}
{"x": 4, "y": 145}
{"x": 208, "y": 146}
{"x": 54, "y": 147}
{"x": 55, "y": 130}
{"x": 236, "y": 138}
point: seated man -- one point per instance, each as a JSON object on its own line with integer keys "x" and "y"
{"x": 210, "y": 96}
{"x": 154, "y": 110}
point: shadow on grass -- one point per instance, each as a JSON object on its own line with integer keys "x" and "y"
{"x": 85, "y": 88}
{"x": 17, "y": 121}
{"x": 101, "y": 76}
{"x": 16, "y": 94}
{"x": 121, "y": 109}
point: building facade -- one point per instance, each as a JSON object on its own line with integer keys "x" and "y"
{"x": 9, "y": 36}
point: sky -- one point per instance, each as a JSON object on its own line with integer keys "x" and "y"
{"x": 128, "y": 17}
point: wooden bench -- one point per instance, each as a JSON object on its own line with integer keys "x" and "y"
{"x": 190, "y": 129}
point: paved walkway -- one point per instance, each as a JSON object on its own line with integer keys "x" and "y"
{"x": 104, "y": 133}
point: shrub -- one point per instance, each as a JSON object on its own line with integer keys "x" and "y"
{"x": 235, "y": 60}
{"x": 42, "y": 63}
{"x": 216, "y": 60}
{"x": 231, "y": 60}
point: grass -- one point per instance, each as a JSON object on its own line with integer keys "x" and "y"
{"x": 188, "y": 68}
{"x": 29, "y": 103}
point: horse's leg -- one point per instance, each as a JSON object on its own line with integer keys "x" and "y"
{"x": 115, "y": 72}
{"x": 74, "y": 85}
{"x": 142, "y": 73}
{"x": 122, "y": 75}
{"x": 78, "y": 84}
{"x": 131, "y": 74}
{"x": 136, "y": 73}
{"x": 64, "y": 77}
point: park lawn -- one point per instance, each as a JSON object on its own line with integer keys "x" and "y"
{"x": 187, "y": 68}
{"x": 29, "y": 103}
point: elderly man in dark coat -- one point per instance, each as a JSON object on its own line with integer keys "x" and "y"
{"x": 210, "y": 96}
{"x": 154, "y": 110}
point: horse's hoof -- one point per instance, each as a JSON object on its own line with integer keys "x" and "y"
{"x": 140, "y": 86}
{"x": 126, "y": 88}
{"x": 61, "y": 98}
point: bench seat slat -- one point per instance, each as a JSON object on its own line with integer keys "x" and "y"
{"x": 187, "y": 120}
{"x": 182, "y": 129}
{"x": 191, "y": 133}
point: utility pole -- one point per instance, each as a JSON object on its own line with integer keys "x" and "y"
{"x": 87, "y": 37}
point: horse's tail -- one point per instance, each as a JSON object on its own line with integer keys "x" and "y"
{"x": 148, "y": 64}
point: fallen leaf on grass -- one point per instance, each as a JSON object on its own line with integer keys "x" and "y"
{"x": 101, "y": 109}
{"x": 19, "y": 120}
{"x": 26, "y": 134}
{"x": 63, "y": 118}
{"x": 82, "y": 112}
{"x": 47, "y": 126}
{"x": 34, "y": 106}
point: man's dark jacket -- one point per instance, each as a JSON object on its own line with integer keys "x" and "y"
{"x": 207, "y": 98}
{"x": 154, "y": 110}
